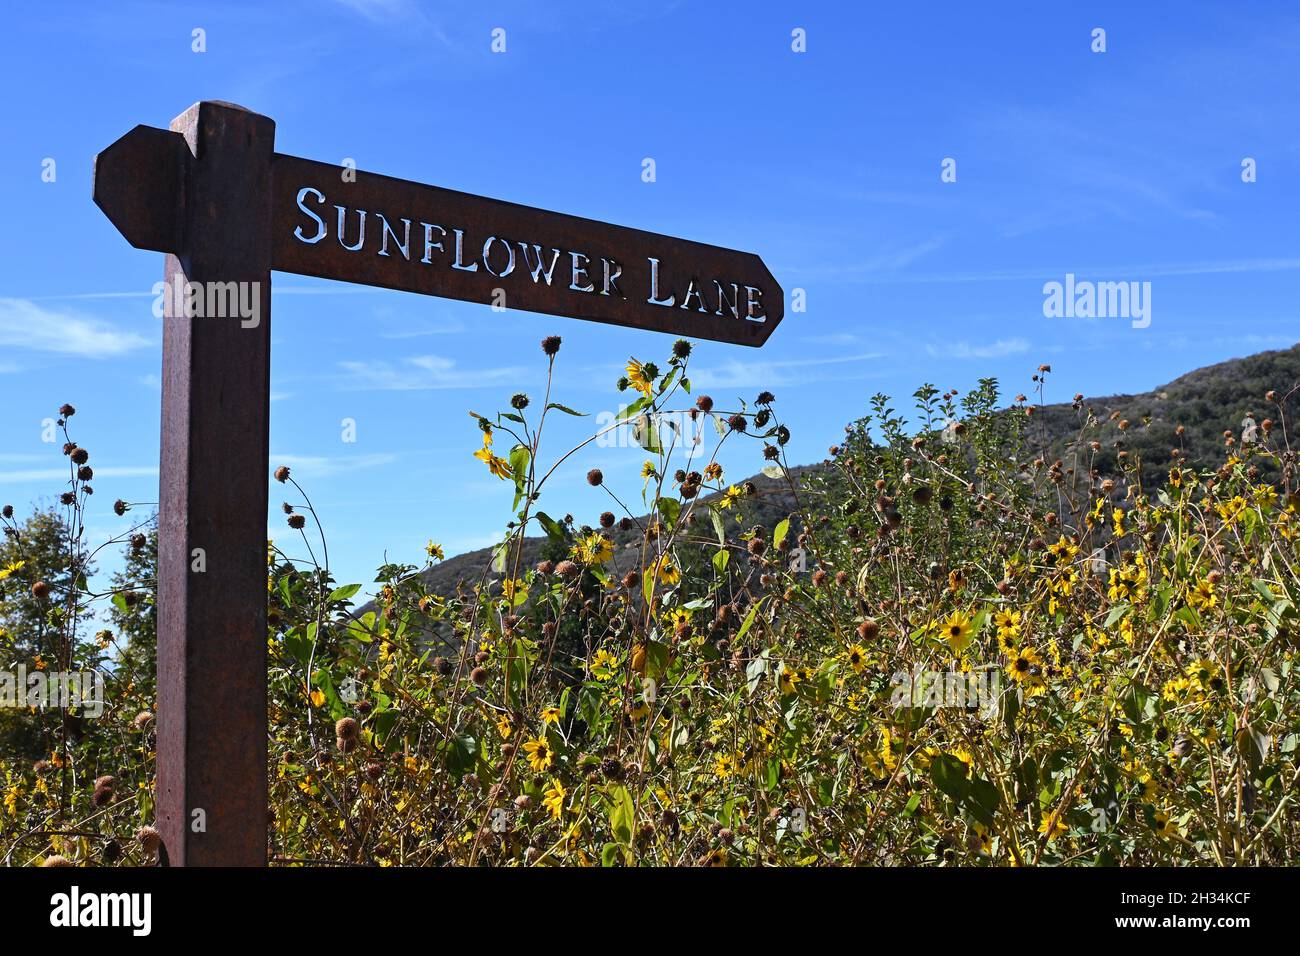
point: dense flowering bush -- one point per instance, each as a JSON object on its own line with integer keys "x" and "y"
{"x": 945, "y": 651}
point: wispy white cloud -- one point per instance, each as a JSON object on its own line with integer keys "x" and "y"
{"x": 406, "y": 15}
{"x": 1139, "y": 272}
{"x": 380, "y": 9}
{"x": 885, "y": 263}
{"x": 423, "y": 372}
{"x": 61, "y": 474}
{"x": 833, "y": 338}
{"x": 735, "y": 373}
{"x": 322, "y": 466}
{"x": 965, "y": 350}
{"x": 325, "y": 288}
{"x": 26, "y": 325}
{"x": 420, "y": 331}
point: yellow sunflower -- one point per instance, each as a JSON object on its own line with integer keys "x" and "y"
{"x": 1164, "y": 827}
{"x": 553, "y": 798}
{"x": 638, "y": 378}
{"x": 664, "y": 569}
{"x": 1052, "y": 826}
{"x": 497, "y": 466}
{"x": 602, "y": 665}
{"x": 957, "y": 631}
{"x": 594, "y": 548}
{"x": 1202, "y": 596}
{"x": 1024, "y": 664}
{"x": 540, "y": 754}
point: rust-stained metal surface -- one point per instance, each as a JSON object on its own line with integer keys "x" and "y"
{"x": 459, "y": 246}
{"x": 461, "y": 270}
{"x": 212, "y": 731}
{"x": 139, "y": 184}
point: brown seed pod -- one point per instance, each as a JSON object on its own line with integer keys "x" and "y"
{"x": 150, "y": 841}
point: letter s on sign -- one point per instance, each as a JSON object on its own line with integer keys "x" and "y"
{"x": 320, "y": 223}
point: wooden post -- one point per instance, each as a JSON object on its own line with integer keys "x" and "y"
{"x": 212, "y": 730}
{"x": 214, "y": 196}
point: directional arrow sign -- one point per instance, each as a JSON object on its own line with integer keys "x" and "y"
{"x": 212, "y": 193}
{"x": 340, "y": 223}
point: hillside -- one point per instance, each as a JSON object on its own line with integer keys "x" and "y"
{"x": 1206, "y": 402}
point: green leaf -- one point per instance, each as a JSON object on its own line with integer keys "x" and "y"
{"x": 721, "y": 558}
{"x": 499, "y": 557}
{"x": 627, "y": 411}
{"x": 554, "y": 530}
{"x": 297, "y": 646}
{"x": 670, "y": 508}
{"x": 344, "y": 592}
{"x": 1264, "y": 590}
{"x": 461, "y": 753}
{"x": 755, "y": 670}
{"x": 363, "y": 630}
{"x": 519, "y": 460}
{"x": 719, "y": 528}
{"x": 949, "y": 775}
{"x": 516, "y": 672}
{"x": 1132, "y": 703}
{"x": 656, "y": 659}
{"x": 1270, "y": 679}
{"x": 621, "y": 814}
{"x": 782, "y": 529}
{"x": 646, "y": 434}
{"x": 591, "y": 704}
{"x": 566, "y": 409}
{"x": 322, "y": 680}
{"x": 749, "y": 619}
{"x": 983, "y": 800}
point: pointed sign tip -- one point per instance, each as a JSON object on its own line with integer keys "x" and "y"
{"x": 138, "y": 185}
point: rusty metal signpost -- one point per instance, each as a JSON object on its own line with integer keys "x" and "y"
{"x": 213, "y": 195}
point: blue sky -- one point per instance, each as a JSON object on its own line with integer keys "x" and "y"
{"x": 1124, "y": 165}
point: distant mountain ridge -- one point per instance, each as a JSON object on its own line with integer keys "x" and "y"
{"x": 1206, "y": 402}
